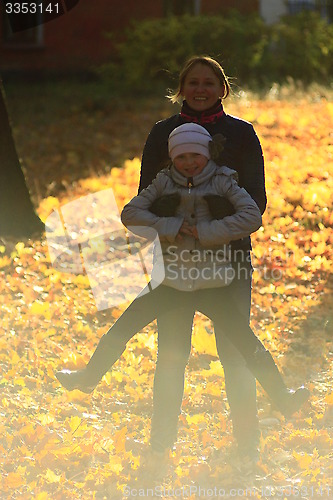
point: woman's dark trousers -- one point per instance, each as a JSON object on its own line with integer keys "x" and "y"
{"x": 174, "y": 345}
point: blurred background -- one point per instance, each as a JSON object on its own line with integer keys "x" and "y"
{"x": 85, "y": 81}
{"x": 257, "y": 40}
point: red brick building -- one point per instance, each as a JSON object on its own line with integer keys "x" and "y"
{"x": 76, "y": 40}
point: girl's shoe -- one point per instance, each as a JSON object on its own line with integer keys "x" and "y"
{"x": 266, "y": 372}
{"x": 290, "y": 401}
{"x": 75, "y": 380}
{"x": 85, "y": 380}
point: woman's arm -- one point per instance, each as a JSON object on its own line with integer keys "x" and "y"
{"x": 253, "y": 175}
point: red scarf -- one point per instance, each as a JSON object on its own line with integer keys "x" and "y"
{"x": 211, "y": 115}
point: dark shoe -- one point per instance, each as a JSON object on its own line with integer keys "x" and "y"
{"x": 249, "y": 450}
{"x": 75, "y": 380}
{"x": 266, "y": 372}
{"x": 154, "y": 465}
{"x": 291, "y": 401}
{"x": 244, "y": 459}
{"x": 248, "y": 457}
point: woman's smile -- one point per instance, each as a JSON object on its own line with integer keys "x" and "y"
{"x": 201, "y": 88}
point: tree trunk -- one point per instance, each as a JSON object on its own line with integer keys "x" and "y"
{"x": 17, "y": 214}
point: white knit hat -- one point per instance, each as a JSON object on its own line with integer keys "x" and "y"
{"x": 189, "y": 138}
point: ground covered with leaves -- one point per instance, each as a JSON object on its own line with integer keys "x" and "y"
{"x": 60, "y": 445}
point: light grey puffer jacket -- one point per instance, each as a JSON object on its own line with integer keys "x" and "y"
{"x": 190, "y": 264}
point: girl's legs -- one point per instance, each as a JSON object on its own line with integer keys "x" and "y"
{"x": 112, "y": 344}
{"x": 258, "y": 359}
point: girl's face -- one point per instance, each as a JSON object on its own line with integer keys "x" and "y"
{"x": 190, "y": 164}
{"x": 201, "y": 88}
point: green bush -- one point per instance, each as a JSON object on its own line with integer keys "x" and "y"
{"x": 299, "y": 47}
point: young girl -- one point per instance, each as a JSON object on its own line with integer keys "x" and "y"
{"x": 198, "y": 275}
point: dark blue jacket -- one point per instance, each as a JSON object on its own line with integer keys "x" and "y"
{"x": 242, "y": 152}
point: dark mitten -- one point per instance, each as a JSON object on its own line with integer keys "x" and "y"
{"x": 216, "y": 147}
{"x": 166, "y": 205}
{"x": 219, "y": 206}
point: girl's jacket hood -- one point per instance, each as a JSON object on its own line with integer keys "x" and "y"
{"x": 206, "y": 174}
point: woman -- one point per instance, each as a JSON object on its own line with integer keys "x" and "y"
{"x": 202, "y": 85}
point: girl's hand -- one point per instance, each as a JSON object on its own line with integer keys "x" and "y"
{"x": 184, "y": 229}
{"x": 188, "y": 230}
{"x": 195, "y": 232}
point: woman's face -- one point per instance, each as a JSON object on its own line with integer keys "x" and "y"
{"x": 201, "y": 88}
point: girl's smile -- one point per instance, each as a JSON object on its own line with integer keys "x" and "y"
{"x": 190, "y": 164}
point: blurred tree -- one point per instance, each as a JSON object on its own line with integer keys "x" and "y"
{"x": 17, "y": 214}
{"x": 178, "y": 7}
{"x": 330, "y": 10}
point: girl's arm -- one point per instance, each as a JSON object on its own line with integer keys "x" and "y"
{"x": 245, "y": 221}
{"x": 137, "y": 217}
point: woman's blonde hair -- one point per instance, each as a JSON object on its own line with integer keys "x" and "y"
{"x": 211, "y": 63}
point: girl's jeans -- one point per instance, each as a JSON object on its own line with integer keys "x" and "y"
{"x": 227, "y": 307}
